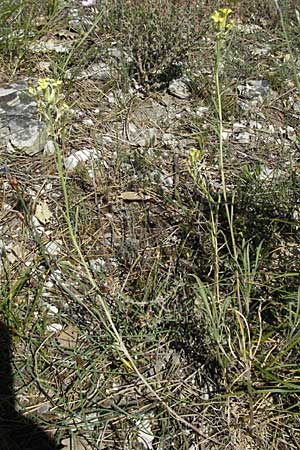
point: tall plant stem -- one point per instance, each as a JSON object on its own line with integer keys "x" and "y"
{"x": 229, "y": 211}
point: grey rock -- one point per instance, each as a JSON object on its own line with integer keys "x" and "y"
{"x": 143, "y": 138}
{"x": 169, "y": 139}
{"x": 50, "y": 46}
{"x": 44, "y": 408}
{"x": 243, "y": 137}
{"x": 27, "y": 135}
{"x": 49, "y": 148}
{"x": 254, "y": 89}
{"x": 179, "y": 88}
{"x": 54, "y": 247}
{"x": 201, "y": 111}
{"x": 15, "y": 100}
{"x": 97, "y": 71}
{"x": 295, "y": 105}
{"x": 119, "y": 55}
{"x": 20, "y": 128}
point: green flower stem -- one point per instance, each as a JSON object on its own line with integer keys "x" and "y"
{"x": 229, "y": 211}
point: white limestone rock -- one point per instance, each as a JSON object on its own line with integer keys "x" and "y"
{"x": 20, "y": 128}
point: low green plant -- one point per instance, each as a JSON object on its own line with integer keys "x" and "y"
{"x": 156, "y": 36}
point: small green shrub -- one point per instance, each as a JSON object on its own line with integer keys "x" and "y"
{"x": 157, "y": 35}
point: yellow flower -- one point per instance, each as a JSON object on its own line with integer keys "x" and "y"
{"x": 64, "y": 106}
{"x": 48, "y": 83}
{"x": 195, "y": 155}
{"x": 216, "y": 17}
{"x": 226, "y": 11}
{"x": 229, "y": 26}
{"x": 56, "y": 83}
{"x": 220, "y": 18}
{"x": 43, "y": 83}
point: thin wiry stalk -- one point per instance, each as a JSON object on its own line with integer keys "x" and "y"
{"x": 229, "y": 211}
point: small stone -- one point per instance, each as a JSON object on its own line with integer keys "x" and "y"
{"x": 226, "y": 134}
{"x": 111, "y": 98}
{"x": 54, "y": 247}
{"x": 72, "y": 161}
{"x": 88, "y": 3}
{"x": 38, "y": 227}
{"x": 44, "y": 408}
{"x": 254, "y": 89}
{"x": 88, "y": 122}
{"x": 201, "y": 111}
{"x": 49, "y": 148}
{"x": 179, "y": 88}
{"x": 169, "y": 139}
{"x": 54, "y": 327}
{"x": 52, "y": 309}
{"x": 98, "y": 265}
{"x": 99, "y": 71}
{"x": 243, "y": 138}
{"x": 255, "y": 124}
{"x": 266, "y": 173}
{"x": 51, "y": 45}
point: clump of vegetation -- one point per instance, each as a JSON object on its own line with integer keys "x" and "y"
{"x": 158, "y": 37}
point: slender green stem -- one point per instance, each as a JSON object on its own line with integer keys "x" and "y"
{"x": 229, "y": 212}
{"x": 220, "y": 116}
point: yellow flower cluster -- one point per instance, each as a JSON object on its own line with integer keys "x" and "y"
{"x": 220, "y": 18}
{"x": 48, "y": 89}
{"x": 49, "y": 97}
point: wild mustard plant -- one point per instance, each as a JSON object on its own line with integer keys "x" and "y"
{"x": 223, "y": 26}
{"x": 214, "y": 307}
{"x": 240, "y": 343}
{"x": 53, "y": 108}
